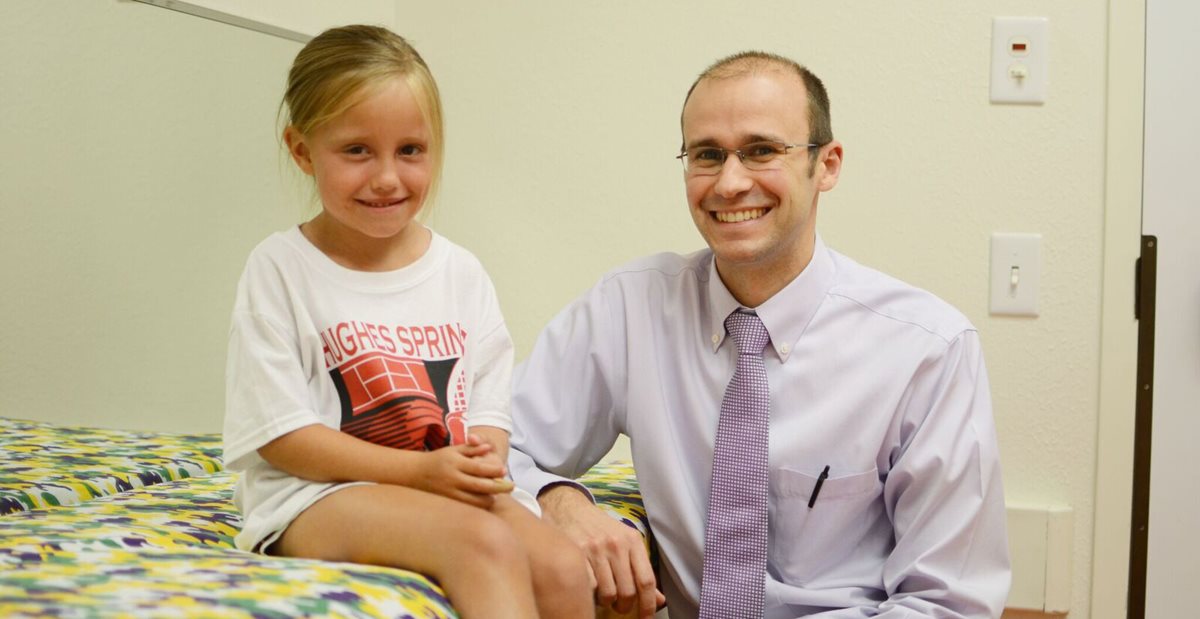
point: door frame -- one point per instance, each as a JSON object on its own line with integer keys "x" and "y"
{"x": 1119, "y": 329}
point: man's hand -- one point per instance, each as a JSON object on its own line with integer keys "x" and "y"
{"x": 617, "y": 559}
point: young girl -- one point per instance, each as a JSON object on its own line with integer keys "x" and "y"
{"x": 369, "y": 365}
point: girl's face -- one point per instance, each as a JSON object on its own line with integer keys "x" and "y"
{"x": 372, "y": 168}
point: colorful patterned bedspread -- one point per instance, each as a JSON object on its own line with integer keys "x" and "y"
{"x": 45, "y": 465}
{"x": 166, "y": 550}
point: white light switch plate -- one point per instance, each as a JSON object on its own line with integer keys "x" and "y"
{"x": 1020, "y": 59}
{"x": 1016, "y": 273}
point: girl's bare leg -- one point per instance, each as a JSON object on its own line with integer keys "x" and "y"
{"x": 471, "y": 552}
{"x": 560, "y": 578}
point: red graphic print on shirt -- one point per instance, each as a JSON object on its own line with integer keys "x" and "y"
{"x": 394, "y": 383}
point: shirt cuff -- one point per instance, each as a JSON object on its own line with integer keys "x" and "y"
{"x": 534, "y": 480}
{"x": 573, "y": 484}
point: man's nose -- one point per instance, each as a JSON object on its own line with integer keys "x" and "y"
{"x": 733, "y": 179}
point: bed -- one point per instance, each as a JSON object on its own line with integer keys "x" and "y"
{"x": 48, "y": 465}
{"x": 101, "y": 523}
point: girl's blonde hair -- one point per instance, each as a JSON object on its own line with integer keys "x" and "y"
{"x": 342, "y": 66}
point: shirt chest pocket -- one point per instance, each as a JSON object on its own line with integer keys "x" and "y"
{"x": 807, "y": 542}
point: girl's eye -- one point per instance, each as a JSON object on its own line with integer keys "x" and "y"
{"x": 356, "y": 150}
{"x": 411, "y": 150}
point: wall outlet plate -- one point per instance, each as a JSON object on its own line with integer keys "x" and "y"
{"x": 1020, "y": 59}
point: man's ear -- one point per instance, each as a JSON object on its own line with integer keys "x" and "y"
{"x": 298, "y": 149}
{"x": 829, "y": 166}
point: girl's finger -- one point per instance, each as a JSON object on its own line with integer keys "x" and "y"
{"x": 486, "y": 485}
{"x": 478, "y": 467}
{"x": 474, "y": 451}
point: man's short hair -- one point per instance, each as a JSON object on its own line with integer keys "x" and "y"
{"x": 749, "y": 62}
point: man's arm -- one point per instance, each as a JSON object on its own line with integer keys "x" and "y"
{"x": 945, "y": 500}
{"x": 568, "y": 400}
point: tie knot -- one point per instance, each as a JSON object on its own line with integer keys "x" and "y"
{"x": 748, "y": 332}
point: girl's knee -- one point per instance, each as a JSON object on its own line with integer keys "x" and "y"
{"x": 488, "y": 539}
{"x": 561, "y": 583}
{"x": 563, "y": 567}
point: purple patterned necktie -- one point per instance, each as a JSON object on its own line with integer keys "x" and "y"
{"x": 735, "y": 537}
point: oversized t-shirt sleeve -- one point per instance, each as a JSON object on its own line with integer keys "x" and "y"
{"x": 492, "y": 363}
{"x": 266, "y": 392}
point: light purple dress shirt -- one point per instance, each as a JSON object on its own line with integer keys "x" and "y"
{"x": 882, "y": 382}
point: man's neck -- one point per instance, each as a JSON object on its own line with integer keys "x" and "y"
{"x": 753, "y": 284}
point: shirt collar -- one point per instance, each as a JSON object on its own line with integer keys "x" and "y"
{"x": 786, "y": 314}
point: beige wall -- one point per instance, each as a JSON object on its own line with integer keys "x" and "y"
{"x": 306, "y": 17}
{"x": 126, "y": 224}
{"x": 138, "y": 168}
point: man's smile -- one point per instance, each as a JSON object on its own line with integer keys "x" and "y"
{"x": 740, "y": 215}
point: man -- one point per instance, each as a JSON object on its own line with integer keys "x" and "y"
{"x": 880, "y": 492}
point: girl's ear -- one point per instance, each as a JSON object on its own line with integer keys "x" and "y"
{"x": 298, "y": 149}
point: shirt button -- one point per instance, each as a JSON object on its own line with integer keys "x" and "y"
{"x": 716, "y": 338}
{"x": 784, "y": 349}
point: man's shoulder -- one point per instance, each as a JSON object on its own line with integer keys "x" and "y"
{"x": 893, "y": 299}
{"x": 663, "y": 267}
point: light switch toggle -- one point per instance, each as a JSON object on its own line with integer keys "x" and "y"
{"x": 1015, "y": 274}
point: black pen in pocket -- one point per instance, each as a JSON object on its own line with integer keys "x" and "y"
{"x": 812, "y": 500}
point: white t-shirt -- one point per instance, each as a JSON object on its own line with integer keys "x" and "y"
{"x": 408, "y": 358}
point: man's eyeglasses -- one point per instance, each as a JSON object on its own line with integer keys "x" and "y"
{"x": 708, "y": 160}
